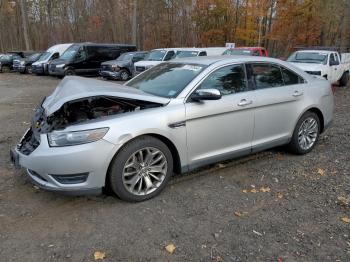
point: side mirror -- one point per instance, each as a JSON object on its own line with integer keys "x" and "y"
{"x": 206, "y": 94}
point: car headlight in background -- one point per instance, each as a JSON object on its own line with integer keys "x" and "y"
{"x": 22, "y": 63}
{"x": 59, "y": 138}
{"x": 115, "y": 68}
{"x": 60, "y": 65}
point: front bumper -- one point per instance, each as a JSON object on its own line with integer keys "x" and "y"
{"x": 38, "y": 69}
{"x": 19, "y": 68}
{"x": 56, "y": 71}
{"x": 110, "y": 74}
{"x": 46, "y": 163}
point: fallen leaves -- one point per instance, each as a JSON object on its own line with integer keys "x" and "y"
{"x": 321, "y": 172}
{"x": 345, "y": 201}
{"x": 98, "y": 255}
{"x": 279, "y": 195}
{"x": 170, "y": 248}
{"x": 240, "y": 214}
{"x": 255, "y": 190}
{"x": 345, "y": 219}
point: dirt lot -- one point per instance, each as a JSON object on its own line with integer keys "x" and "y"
{"x": 207, "y": 215}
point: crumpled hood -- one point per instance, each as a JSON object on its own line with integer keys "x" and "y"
{"x": 75, "y": 87}
{"x": 308, "y": 66}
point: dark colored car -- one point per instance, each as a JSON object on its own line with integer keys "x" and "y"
{"x": 86, "y": 58}
{"x": 122, "y": 68}
{"x": 24, "y": 65}
{"x": 6, "y": 61}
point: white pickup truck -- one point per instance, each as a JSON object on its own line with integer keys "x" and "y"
{"x": 331, "y": 65}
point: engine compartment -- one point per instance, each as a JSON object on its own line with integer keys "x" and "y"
{"x": 85, "y": 109}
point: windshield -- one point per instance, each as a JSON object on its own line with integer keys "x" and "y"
{"x": 237, "y": 52}
{"x": 34, "y": 56}
{"x": 44, "y": 56}
{"x": 181, "y": 54}
{"x": 155, "y": 55}
{"x": 70, "y": 53}
{"x": 166, "y": 79}
{"x": 125, "y": 57}
{"x": 308, "y": 57}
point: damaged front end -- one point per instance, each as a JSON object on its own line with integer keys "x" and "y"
{"x": 75, "y": 112}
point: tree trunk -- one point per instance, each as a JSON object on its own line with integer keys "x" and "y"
{"x": 24, "y": 23}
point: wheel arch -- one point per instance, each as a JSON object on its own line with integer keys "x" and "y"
{"x": 319, "y": 113}
{"x": 173, "y": 150}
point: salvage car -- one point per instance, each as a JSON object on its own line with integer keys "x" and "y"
{"x": 86, "y": 58}
{"x": 91, "y": 134}
{"x": 254, "y": 51}
{"x": 24, "y": 65}
{"x": 121, "y": 68}
{"x": 40, "y": 67}
{"x": 329, "y": 64}
{"x": 6, "y": 61}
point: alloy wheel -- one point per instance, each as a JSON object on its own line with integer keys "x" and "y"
{"x": 144, "y": 171}
{"x": 308, "y": 132}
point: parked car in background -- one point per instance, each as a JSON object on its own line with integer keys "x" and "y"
{"x": 86, "y": 58}
{"x": 205, "y": 51}
{"x": 250, "y": 51}
{"x": 40, "y": 67}
{"x": 328, "y": 64}
{"x": 122, "y": 68}
{"x": 155, "y": 57}
{"x": 6, "y": 61}
{"x": 89, "y": 134}
{"x": 24, "y": 65}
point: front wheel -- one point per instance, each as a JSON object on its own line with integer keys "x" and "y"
{"x": 5, "y": 69}
{"x": 344, "y": 79}
{"x": 69, "y": 72}
{"x": 28, "y": 69}
{"x": 306, "y": 134}
{"x": 141, "y": 169}
{"x": 124, "y": 75}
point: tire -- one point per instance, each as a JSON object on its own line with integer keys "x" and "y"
{"x": 120, "y": 175}
{"x": 344, "y": 79}
{"x": 69, "y": 72}
{"x": 124, "y": 75}
{"x": 5, "y": 69}
{"x": 28, "y": 70}
{"x": 311, "y": 130}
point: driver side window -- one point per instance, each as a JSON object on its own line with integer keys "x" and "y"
{"x": 228, "y": 80}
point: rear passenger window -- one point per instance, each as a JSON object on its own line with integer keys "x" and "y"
{"x": 169, "y": 55}
{"x": 228, "y": 80}
{"x": 203, "y": 53}
{"x": 266, "y": 76}
{"x": 290, "y": 78}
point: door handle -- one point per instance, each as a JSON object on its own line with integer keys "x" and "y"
{"x": 297, "y": 93}
{"x": 245, "y": 102}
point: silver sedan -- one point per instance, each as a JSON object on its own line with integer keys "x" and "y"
{"x": 175, "y": 117}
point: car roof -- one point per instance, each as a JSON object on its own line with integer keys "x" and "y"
{"x": 248, "y": 47}
{"x": 208, "y": 60}
{"x": 316, "y": 51}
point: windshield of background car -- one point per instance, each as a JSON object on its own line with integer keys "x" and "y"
{"x": 70, "y": 53}
{"x": 166, "y": 79}
{"x": 308, "y": 57}
{"x": 44, "y": 56}
{"x": 156, "y": 55}
{"x": 181, "y": 54}
{"x": 238, "y": 52}
{"x": 125, "y": 57}
{"x": 34, "y": 57}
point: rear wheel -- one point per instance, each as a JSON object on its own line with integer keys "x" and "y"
{"x": 5, "y": 69}
{"x": 306, "y": 134}
{"x": 344, "y": 79}
{"x": 28, "y": 69}
{"x": 124, "y": 75}
{"x": 141, "y": 169}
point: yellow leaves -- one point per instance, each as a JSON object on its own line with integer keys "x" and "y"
{"x": 321, "y": 172}
{"x": 279, "y": 195}
{"x": 240, "y": 214}
{"x": 345, "y": 219}
{"x": 255, "y": 190}
{"x": 170, "y": 248}
{"x": 345, "y": 201}
{"x": 99, "y": 255}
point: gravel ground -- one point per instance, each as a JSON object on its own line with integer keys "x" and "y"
{"x": 271, "y": 206}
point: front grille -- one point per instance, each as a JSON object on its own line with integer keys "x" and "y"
{"x": 140, "y": 68}
{"x": 28, "y": 143}
{"x": 106, "y": 67}
{"x": 16, "y": 63}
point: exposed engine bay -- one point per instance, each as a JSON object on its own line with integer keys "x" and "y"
{"x": 78, "y": 111}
